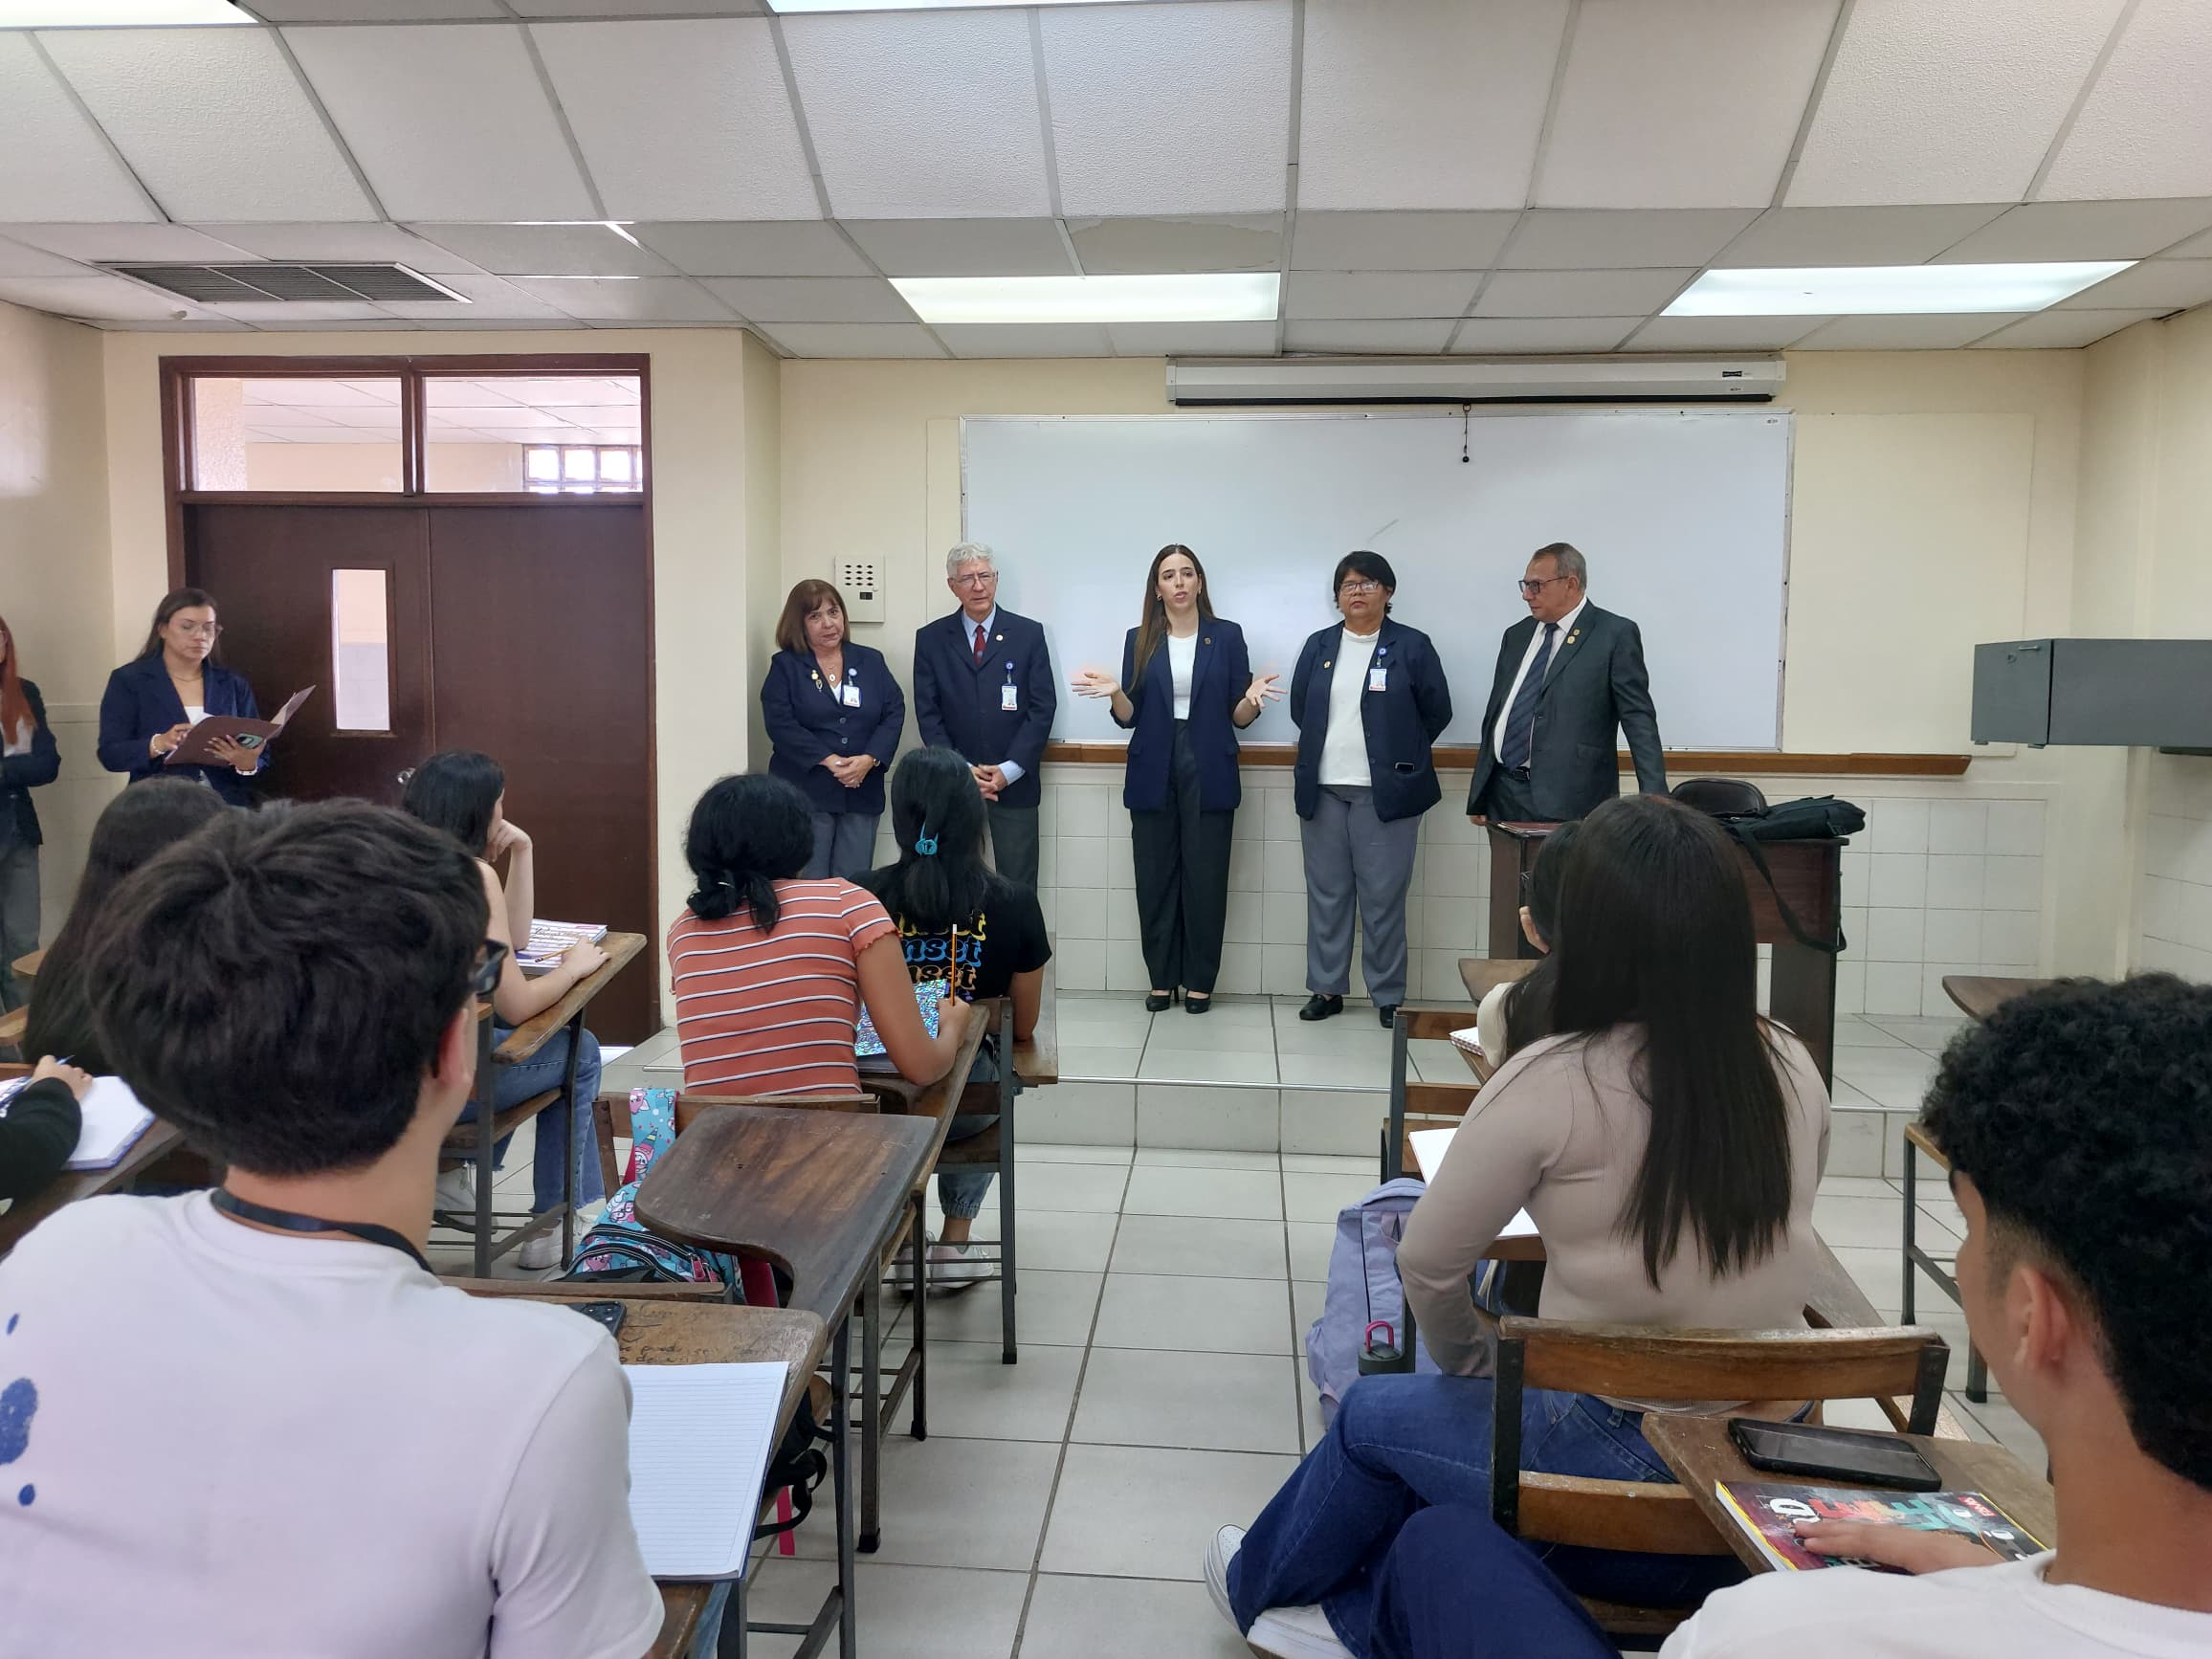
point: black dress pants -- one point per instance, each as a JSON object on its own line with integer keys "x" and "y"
{"x": 1181, "y": 857}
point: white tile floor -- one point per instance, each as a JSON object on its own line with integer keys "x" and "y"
{"x": 1060, "y": 1506}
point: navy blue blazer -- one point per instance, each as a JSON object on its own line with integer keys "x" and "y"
{"x": 1401, "y": 720}
{"x": 20, "y": 774}
{"x": 1219, "y": 678}
{"x": 807, "y": 724}
{"x": 140, "y": 701}
{"x": 957, "y": 700}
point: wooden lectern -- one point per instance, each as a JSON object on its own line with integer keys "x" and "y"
{"x": 1809, "y": 876}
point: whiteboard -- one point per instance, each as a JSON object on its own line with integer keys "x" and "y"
{"x": 1683, "y": 516}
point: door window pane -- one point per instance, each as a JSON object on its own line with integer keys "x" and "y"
{"x": 361, "y": 649}
{"x": 282, "y": 434}
{"x": 537, "y": 433}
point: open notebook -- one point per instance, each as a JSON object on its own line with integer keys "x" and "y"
{"x": 701, "y": 1437}
{"x": 1429, "y": 1145}
{"x": 113, "y": 1121}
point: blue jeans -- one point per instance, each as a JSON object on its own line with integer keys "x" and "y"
{"x": 512, "y": 1085}
{"x": 961, "y": 1193}
{"x": 1401, "y": 1444}
{"x": 1455, "y": 1586}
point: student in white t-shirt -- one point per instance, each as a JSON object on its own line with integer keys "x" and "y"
{"x": 251, "y": 1423}
{"x": 2078, "y": 1123}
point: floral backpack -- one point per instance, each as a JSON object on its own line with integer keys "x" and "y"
{"x": 619, "y": 1246}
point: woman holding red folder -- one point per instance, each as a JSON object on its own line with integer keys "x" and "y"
{"x": 176, "y": 681}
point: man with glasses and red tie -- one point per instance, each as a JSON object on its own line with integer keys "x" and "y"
{"x": 1568, "y": 677}
{"x": 983, "y": 684}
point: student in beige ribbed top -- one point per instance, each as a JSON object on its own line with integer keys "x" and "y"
{"x": 1668, "y": 1141}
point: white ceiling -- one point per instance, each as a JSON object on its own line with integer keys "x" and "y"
{"x": 1428, "y": 175}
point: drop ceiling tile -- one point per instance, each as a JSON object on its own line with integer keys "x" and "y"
{"x": 1424, "y": 337}
{"x": 681, "y": 120}
{"x": 447, "y": 122}
{"x": 1580, "y": 293}
{"x": 1424, "y": 103}
{"x": 1946, "y": 103}
{"x": 1169, "y": 109}
{"x": 1399, "y": 241}
{"x": 2081, "y": 231}
{"x": 1377, "y": 293}
{"x": 2164, "y": 285}
{"x": 1244, "y": 242}
{"x": 1192, "y": 338}
{"x": 785, "y": 248}
{"x": 342, "y": 243}
{"x": 1828, "y": 236}
{"x": 637, "y": 299}
{"x": 21, "y": 259}
{"x": 1681, "y": 104}
{"x": 854, "y": 340}
{"x": 375, "y": 11}
{"x": 1939, "y": 333}
{"x": 1617, "y": 239}
{"x": 893, "y": 142}
{"x": 962, "y": 247}
{"x": 637, "y": 7}
{"x": 547, "y": 250}
{"x": 812, "y": 298}
{"x": 111, "y": 298}
{"x": 57, "y": 165}
{"x": 2146, "y": 126}
{"x": 1026, "y": 340}
{"x": 488, "y": 297}
{"x": 213, "y": 120}
{"x": 2198, "y": 247}
{"x": 151, "y": 244}
{"x": 1511, "y": 334}
{"x": 1721, "y": 333}
{"x": 2063, "y": 328}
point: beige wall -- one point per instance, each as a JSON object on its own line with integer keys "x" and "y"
{"x": 764, "y": 585}
{"x": 54, "y": 573}
{"x": 703, "y": 673}
{"x": 455, "y": 467}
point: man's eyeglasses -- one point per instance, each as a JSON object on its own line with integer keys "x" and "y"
{"x": 1535, "y": 585}
{"x": 976, "y": 579}
{"x": 1359, "y": 587}
{"x": 201, "y": 630}
{"x": 487, "y": 969}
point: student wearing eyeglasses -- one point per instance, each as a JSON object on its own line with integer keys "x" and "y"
{"x": 176, "y": 681}
{"x": 1368, "y": 698}
{"x": 1569, "y": 677}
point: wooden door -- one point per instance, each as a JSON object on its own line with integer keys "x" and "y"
{"x": 271, "y": 570}
{"x": 545, "y": 662}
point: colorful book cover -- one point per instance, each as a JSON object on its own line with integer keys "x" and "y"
{"x": 867, "y": 1043}
{"x": 1767, "y": 1512}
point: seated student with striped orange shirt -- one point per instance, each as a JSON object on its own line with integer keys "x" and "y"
{"x": 770, "y": 971}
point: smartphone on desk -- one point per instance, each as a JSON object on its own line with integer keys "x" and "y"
{"x": 608, "y": 1313}
{"x": 1852, "y": 1455}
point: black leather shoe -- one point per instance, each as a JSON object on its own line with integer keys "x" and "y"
{"x": 1159, "y": 1002}
{"x": 1388, "y": 1013}
{"x": 1197, "y": 1005}
{"x": 1320, "y": 1008}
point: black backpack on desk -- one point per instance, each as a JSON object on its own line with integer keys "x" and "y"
{"x": 1741, "y": 809}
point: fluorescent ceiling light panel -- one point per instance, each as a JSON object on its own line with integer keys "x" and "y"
{"x": 1888, "y": 290}
{"x": 790, "y": 6}
{"x": 117, "y": 14}
{"x": 1225, "y": 297}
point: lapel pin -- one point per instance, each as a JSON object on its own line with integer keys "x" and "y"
{"x": 1000, "y": 637}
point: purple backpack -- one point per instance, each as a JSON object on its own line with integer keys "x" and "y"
{"x": 1363, "y": 1290}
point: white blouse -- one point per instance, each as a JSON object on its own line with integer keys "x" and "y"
{"x": 1344, "y": 742}
{"x": 1181, "y": 665}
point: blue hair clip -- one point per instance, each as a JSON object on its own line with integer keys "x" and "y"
{"x": 925, "y": 845}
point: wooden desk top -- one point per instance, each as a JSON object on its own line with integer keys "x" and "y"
{"x": 1483, "y": 974}
{"x": 1979, "y": 995}
{"x": 67, "y": 1187}
{"x": 681, "y": 1333}
{"x": 1698, "y": 1452}
{"x": 531, "y": 1034}
{"x": 814, "y": 1192}
{"x": 27, "y": 965}
{"x": 11, "y": 1024}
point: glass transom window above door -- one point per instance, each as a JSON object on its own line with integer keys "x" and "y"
{"x": 544, "y": 435}
{"x": 285, "y": 434}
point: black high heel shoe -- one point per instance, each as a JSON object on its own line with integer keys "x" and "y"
{"x": 1197, "y": 1005}
{"x": 1159, "y": 1002}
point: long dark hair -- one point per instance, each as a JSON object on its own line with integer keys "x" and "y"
{"x": 746, "y": 834}
{"x": 182, "y": 599}
{"x": 1654, "y": 931}
{"x": 1528, "y": 1001}
{"x": 457, "y": 791}
{"x": 1152, "y": 625}
{"x": 144, "y": 819}
{"x": 934, "y": 796}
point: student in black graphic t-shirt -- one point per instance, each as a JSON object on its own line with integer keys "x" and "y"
{"x": 962, "y": 923}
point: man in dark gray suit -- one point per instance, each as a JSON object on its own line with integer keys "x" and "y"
{"x": 1567, "y": 679}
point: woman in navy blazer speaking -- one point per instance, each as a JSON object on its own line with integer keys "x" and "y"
{"x": 1186, "y": 686}
{"x": 1369, "y": 698}
{"x": 834, "y": 714}
{"x": 177, "y": 680}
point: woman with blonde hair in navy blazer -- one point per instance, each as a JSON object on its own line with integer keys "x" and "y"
{"x": 1187, "y": 688}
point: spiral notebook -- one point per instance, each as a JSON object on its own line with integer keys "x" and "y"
{"x": 113, "y": 1120}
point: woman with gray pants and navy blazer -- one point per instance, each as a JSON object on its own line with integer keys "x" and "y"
{"x": 1186, "y": 687}
{"x": 833, "y": 715}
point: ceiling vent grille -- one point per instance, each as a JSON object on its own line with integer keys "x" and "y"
{"x": 304, "y": 284}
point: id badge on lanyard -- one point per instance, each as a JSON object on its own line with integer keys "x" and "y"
{"x": 1379, "y": 671}
{"x": 849, "y": 693}
{"x": 1010, "y": 694}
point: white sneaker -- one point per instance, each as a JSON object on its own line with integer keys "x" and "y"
{"x": 457, "y": 1190}
{"x": 958, "y": 1264}
{"x": 542, "y": 1251}
{"x": 1287, "y": 1632}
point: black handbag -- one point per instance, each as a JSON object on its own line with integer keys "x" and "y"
{"x": 1742, "y": 811}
